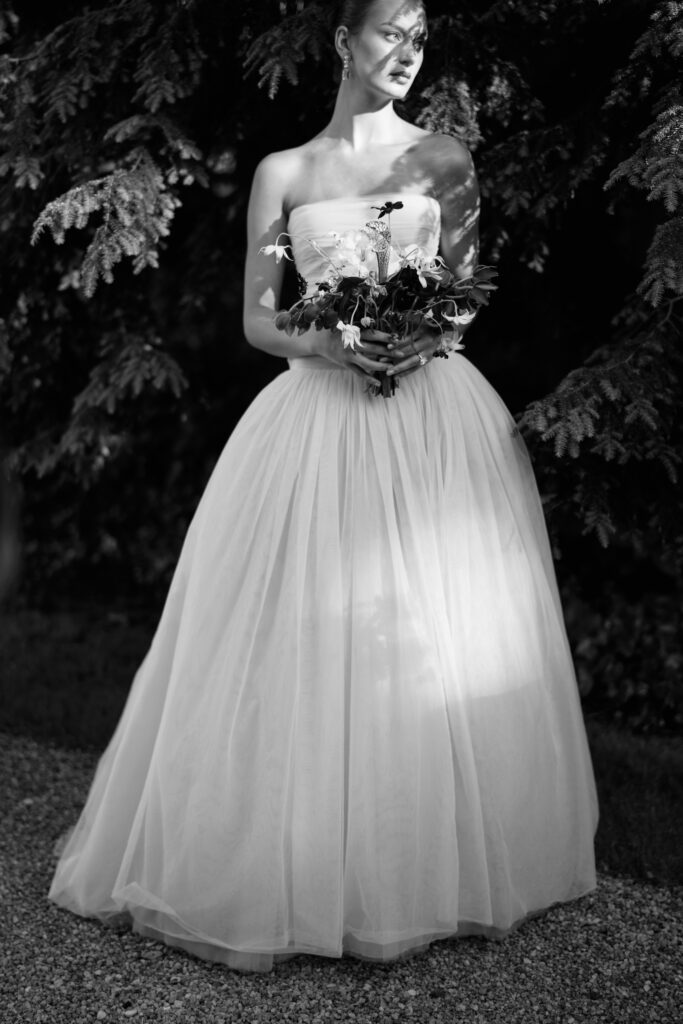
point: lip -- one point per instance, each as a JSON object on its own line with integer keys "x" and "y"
{"x": 400, "y": 76}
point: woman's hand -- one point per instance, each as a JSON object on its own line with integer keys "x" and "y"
{"x": 413, "y": 352}
{"x": 367, "y": 359}
{"x": 380, "y": 345}
{"x": 379, "y": 352}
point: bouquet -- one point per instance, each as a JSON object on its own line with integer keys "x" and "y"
{"x": 372, "y": 283}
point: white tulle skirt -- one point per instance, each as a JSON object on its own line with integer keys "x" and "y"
{"x": 357, "y": 727}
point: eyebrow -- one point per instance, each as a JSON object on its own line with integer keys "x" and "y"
{"x": 421, "y": 26}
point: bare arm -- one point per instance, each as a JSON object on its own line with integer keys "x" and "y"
{"x": 266, "y": 218}
{"x": 262, "y": 274}
{"x": 460, "y": 207}
{"x": 460, "y": 203}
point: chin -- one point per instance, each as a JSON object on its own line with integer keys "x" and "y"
{"x": 397, "y": 90}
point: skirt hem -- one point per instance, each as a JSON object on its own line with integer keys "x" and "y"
{"x": 353, "y": 945}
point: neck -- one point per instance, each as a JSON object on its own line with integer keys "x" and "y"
{"x": 360, "y": 119}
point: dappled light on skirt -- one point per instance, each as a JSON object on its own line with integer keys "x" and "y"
{"x": 357, "y": 728}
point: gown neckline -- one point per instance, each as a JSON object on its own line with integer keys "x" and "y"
{"x": 364, "y": 198}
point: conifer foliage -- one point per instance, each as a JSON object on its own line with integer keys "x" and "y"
{"x": 624, "y": 404}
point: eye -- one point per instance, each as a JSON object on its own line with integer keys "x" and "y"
{"x": 394, "y": 35}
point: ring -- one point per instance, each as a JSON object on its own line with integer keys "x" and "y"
{"x": 421, "y": 359}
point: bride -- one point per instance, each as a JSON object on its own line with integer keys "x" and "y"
{"x": 357, "y": 728}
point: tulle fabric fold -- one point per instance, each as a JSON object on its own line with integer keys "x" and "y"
{"x": 357, "y": 728}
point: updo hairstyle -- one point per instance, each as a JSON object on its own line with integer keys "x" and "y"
{"x": 353, "y": 13}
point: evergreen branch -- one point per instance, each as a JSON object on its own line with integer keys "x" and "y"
{"x": 137, "y": 209}
{"x": 619, "y": 407}
{"x": 279, "y": 50}
{"x": 656, "y": 165}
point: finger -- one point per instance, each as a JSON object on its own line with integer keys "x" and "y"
{"x": 427, "y": 350}
{"x": 400, "y": 353}
{"x": 423, "y": 343}
{"x": 412, "y": 362}
{"x": 404, "y": 364}
{"x": 396, "y": 354}
{"x": 372, "y": 334}
{"x": 370, "y": 348}
{"x": 369, "y": 364}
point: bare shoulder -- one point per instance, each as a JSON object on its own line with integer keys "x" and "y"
{"x": 448, "y": 158}
{"x": 279, "y": 172}
{"x": 278, "y": 168}
{"x": 442, "y": 162}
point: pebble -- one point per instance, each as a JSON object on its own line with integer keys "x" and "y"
{"x": 614, "y": 955}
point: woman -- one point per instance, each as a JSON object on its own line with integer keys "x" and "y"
{"x": 357, "y": 728}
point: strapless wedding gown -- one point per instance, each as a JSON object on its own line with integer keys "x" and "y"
{"x": 357, "y": 728}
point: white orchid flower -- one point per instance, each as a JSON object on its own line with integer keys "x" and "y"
{"x": 354, "y": 266}
{"x": 276, "y": 250}
{"x": 354, "y": 256}
{"x": 423, "y": 263}
{"x": 356, "y": 242}
{"x": 350, "y": 335}
{"x": 452, "y": 343}
{"x": 463, "y": 318}
{"x": 413, "y": 256}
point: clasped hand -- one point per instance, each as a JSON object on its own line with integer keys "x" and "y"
{"x": 397, "y": 357}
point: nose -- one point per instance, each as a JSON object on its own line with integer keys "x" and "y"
{"x": 407, "y": 54}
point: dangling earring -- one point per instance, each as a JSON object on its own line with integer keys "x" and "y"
{"x": 346, "y": 71}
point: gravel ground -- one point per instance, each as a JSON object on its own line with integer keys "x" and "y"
{"x": 613, "y": 956}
